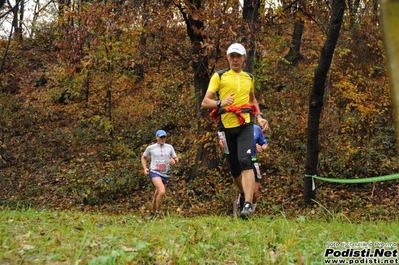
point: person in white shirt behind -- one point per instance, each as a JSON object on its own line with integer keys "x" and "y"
{"x": 162, "y": 156}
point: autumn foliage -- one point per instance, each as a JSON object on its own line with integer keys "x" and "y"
{"x": 116, "y": 72}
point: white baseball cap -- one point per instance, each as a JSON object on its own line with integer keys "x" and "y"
{"x": 236, "y": 47}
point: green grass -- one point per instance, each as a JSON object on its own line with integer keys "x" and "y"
{"x": 48, "y": 237}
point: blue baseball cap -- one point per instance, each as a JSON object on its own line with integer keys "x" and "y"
{"x": 160, "y": 133}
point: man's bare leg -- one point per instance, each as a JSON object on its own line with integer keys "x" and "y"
{"x": 248, "y": 184}
{"x": 158, "y": 194}
{"x": 238, "y": 182}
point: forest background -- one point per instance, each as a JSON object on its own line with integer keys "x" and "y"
{"x": 84, "y": 90}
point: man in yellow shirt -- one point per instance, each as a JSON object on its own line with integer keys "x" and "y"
{"x": 236, "y": 105}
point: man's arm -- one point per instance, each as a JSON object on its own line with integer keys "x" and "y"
{"x": 261, "y": 148}
{"x": 144, "y": 164}
{"x": 263, "y": 123}
{"x": 209, "y": 102}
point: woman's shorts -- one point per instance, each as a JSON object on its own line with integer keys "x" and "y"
{"x": 153, "y": 174}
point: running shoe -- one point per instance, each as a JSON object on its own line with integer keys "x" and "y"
{"x": 247, "y": 211}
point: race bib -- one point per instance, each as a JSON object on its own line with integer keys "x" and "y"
{"x": 160, "y": 165}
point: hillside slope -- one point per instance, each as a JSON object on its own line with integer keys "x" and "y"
{"x": 55, "y": 154}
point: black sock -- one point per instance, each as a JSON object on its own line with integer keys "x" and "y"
{"x": 242, "y": 200}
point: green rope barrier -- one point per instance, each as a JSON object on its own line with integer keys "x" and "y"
{"x": 356, "y": 181}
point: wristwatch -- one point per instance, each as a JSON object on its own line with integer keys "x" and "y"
{"x": 219, "y": 103}
{"x": 259, "y": 114}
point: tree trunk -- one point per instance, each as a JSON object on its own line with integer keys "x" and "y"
{"x": 18, "y": 29}
{"x": 3, "y": 59}
{"x": 294, "y": 55}
{"x": 15, "y": 22}
{"x": 201, "y": 81}
{"x": 316, "y": 99}
{"x": 250, "y": 14}
{"x": 139, "y": 69}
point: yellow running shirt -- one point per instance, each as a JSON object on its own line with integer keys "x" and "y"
{"x": 241, "y": 84}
